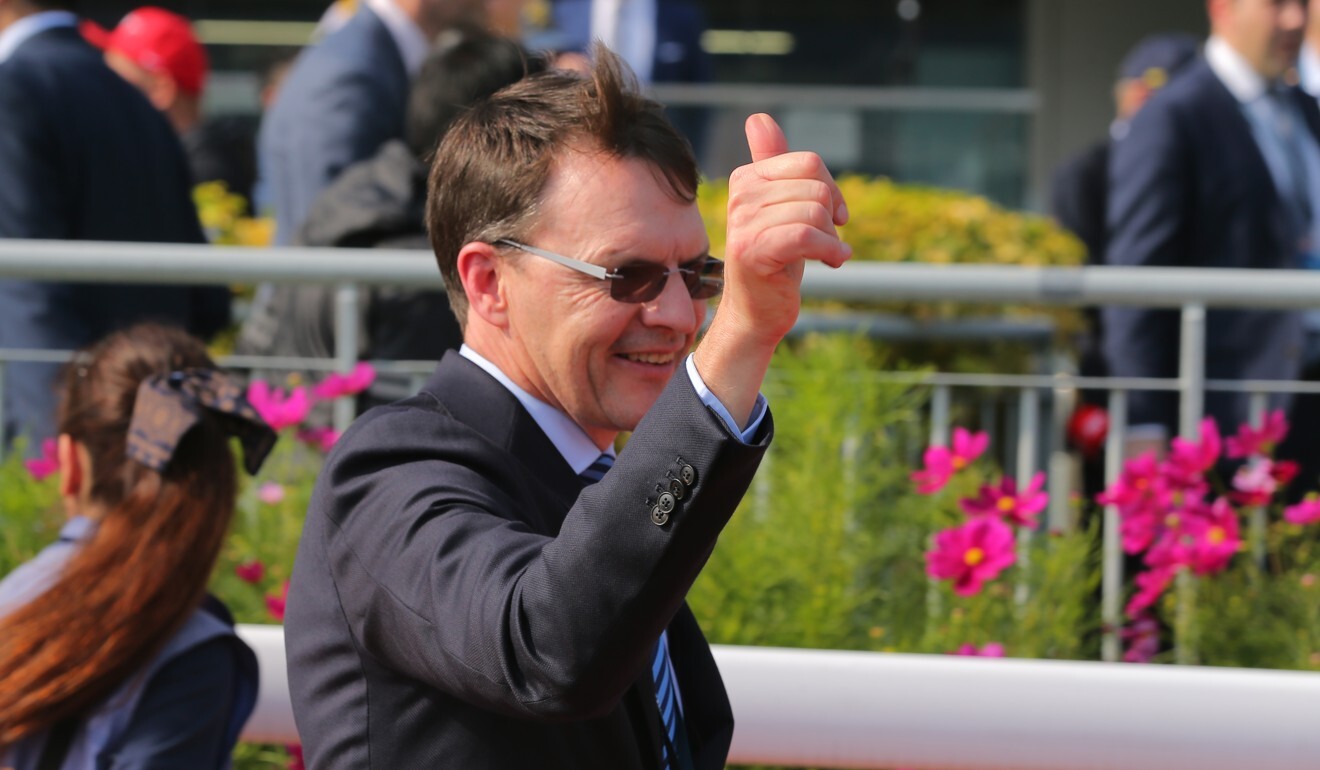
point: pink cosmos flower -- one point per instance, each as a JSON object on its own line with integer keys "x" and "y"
{"x": 275, "y": 605}
{"x": 270, "y": 493}
{"x": 250, "y": 572}
{"x": 49, "y": 462}
{"x": 1251, "y": 441}
{"x": 990, "y": 650}
{"x": 1254, "y": 484}
{"x": 338, "y": 385}
{"x": 1151, "y": 584}
{"x": 1142, "y": 639}
{"x": 1189, "y": 460}
{"x": 278, "y": 410}
{"x": 1215, "y": 539}
{"x": 941, "y": 462}
{"x": 1006, "y": 502}
{"x": 1305, "y": 512}
{"x": 295, "y": 757}
{"x": 319, "y": 438}
{"x": 971, "y": 554}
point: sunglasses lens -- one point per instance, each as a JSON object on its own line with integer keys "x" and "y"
{"x": 638, "y": 283}
{"x": 706, "y": 282}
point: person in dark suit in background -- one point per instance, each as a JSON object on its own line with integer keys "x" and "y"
{"x": 660, "y": 40}
{"x": 475, "y": 586}
{"x": 83, "y": 156}
{"x": 345, "y": 97}
{"x": 380, "y": 202}
{"x": 1079, "y": 201}
{"x": 1213, "y": 173}
{"x": 157, "y": 51}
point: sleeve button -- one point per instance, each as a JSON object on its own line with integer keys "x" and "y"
{"x": 676, "y": 489}
{"x": 666, "y": 503}
{"x": 658, "y": 518}
{"x": 688, "y": 475}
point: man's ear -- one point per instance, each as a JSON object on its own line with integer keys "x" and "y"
{"x": 72, "y": 471}
{"x": 481, "y": 269}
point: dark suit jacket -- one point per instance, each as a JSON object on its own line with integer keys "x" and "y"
{"x": 343, "y": 99}
{"x": 679, "y": 57}
{"x": 459, "y": 600}
{"x": 84, "y": 156}
{"x": 1190, "y": 188}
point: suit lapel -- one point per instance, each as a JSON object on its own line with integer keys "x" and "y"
{"x": 479, "y": 401}
{"x": 1236, "y": 136}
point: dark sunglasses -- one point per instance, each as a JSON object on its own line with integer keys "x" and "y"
{"x": 641, "y": 281}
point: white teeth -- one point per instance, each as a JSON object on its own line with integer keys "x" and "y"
{"x": 650, "y": 358}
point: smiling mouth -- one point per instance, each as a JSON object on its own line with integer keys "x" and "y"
{"x": 654, "y": 359}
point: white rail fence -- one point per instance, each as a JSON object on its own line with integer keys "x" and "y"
{"x": 926, "y": 712}
{"x": 852, "y": 708}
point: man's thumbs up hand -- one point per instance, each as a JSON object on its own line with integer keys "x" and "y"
{"x": 783, "y": 210}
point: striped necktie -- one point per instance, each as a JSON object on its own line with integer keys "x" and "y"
{"x": 667, "y": 696}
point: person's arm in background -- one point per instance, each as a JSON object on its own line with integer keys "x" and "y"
{"x": 1149, "y": 224}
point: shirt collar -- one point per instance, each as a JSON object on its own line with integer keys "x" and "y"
{"x": 571, "y": 441}
{"x": 1245, "y": 83}
{"x": 77, "y": 529}
{"x": 411, "y": 41}
{"x": 1308, "y": 70}
{"x": 29, "y": 27}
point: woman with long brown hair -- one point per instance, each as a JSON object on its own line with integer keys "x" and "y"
{"x": 112, "y": 655}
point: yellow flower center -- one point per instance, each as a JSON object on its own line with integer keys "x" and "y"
{"x": 1171, "y": 521}
{"x": 1141, "y": 485}
{"x": 959, "y": 463}
{"x": 1007, "y": 504}
{"x": 973, "y": 557}
{"x": 1216, "y": 535}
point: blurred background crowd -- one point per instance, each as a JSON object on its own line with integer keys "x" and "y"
{"x": 1177, "y": 134}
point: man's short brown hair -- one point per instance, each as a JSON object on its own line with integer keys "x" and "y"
{"x": 493, "y": 164}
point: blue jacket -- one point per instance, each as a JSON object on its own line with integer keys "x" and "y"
{"x": 84, "y": 156}
{"x": 1189, "y": 188}
{"x": 187, "y": 707}
{"x": 344, "y": 98}
{"x": 679, "y": 57}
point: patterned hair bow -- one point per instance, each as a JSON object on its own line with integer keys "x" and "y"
{"x": 169, "y": 405}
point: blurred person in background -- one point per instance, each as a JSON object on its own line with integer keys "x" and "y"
{"x": 381, "y": 202}
{"x": 158, "y": 52}
{"x": 112, "y": 653}
{"x": 660, "y": 40}
{"x": 1079, "y": 201}
{"x": 345, "y": 97}
{"x": 83, "y": 156}
{"x": 1219, "y": 169}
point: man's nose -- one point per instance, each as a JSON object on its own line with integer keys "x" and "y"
{"x": 674, "y": 308}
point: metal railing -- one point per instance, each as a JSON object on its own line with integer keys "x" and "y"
{"x": 931, "y": 712}
{"x": 1191, "y": 291}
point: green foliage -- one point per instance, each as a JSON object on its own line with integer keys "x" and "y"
{"x": 826, "y": 550}
{"x": 29, "y": 510}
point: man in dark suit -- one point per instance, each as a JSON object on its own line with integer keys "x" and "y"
{"x": 1205, "y": 178}
{"x": 345, "y": 97}
{"x": 660, "y": 40}
{"x": 83, "y": 156}
{"x": 473, "y": 589}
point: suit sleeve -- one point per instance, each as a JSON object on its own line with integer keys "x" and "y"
{"x": 31, "y": 202}
{"x": 440, "y": 582}
{"x": 1149, "y": 213}
{"x": 344, "y": 122}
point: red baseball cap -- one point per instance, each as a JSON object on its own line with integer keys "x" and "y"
{"x": 160, "y": 41}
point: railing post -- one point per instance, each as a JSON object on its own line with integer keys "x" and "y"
{"x": 346, "y": 347}
{"x": 1257, "y": 406}
{"x": 1191, "y": 374}
{"x": 1028, "y": 431}
{"x": 1111, "y": 576}
{"x": 940, "y": 399}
